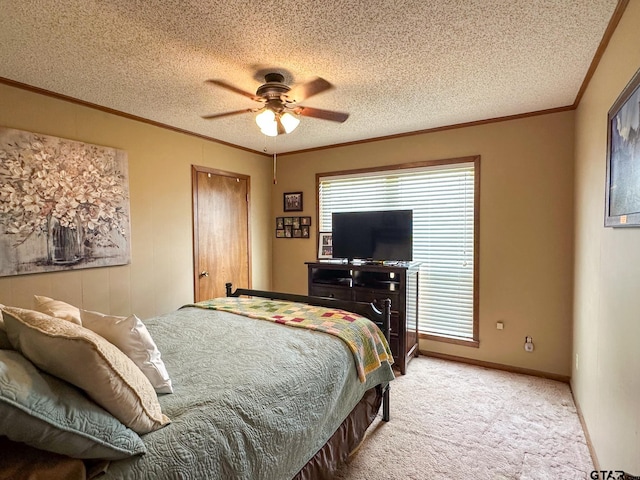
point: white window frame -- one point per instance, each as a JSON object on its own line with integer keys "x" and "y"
{"x": 462, "y": 307}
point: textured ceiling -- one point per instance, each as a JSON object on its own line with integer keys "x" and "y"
{"x": 397, "y": 66}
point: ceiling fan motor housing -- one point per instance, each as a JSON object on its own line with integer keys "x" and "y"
{"x": 274, "y": 87}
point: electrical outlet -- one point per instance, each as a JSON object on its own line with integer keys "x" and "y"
{"x": 528, "y": 344}
{"x": 500, "y": 326}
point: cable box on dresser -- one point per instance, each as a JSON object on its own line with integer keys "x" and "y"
{"x": 375, "y": 282}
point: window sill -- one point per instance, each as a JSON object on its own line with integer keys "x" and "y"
{"x": 456, "y": 341}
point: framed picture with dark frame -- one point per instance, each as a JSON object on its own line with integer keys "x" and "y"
{"x": 292, "y": 202}
{"x": 325, "y": 245}
{"x": 622, "y": 191}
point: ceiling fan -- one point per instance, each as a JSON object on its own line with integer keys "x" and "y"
{"x": 281, "y": 108}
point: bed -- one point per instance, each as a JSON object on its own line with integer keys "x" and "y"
{"x": 254, "y": 399}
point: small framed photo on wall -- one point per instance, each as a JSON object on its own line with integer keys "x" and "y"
{"x": 293, "y": 227}
{"x": 292, "y": 202}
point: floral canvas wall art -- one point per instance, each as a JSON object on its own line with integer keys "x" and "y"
{"x": 63, "y": 204}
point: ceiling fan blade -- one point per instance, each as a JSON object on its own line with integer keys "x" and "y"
{"x": 223, "y": 84}
{"x": 301, "y": 92}
{"x": 226, "y": 114}
{"x": 323, "y": 114}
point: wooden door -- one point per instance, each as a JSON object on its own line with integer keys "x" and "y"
{"x": 221, "y": 231}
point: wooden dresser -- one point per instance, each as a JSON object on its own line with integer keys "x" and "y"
{"x": 374, "y": 283}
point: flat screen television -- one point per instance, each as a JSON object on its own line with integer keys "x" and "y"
{"x": 377, "y": 235}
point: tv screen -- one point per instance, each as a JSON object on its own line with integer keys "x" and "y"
{"x": 380, "y": 235}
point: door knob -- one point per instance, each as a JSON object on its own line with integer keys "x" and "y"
{"x": 204, "y": 273}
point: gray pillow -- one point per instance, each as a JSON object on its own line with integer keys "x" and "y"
{"x": 50, "y": 414}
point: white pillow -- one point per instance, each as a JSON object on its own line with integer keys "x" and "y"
{"x": 88, "y": 361}
{"x": 131, "y": 336}
{"x": 57, "y": 308}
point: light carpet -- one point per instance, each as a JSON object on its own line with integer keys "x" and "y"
{"x": 454, "y": 420}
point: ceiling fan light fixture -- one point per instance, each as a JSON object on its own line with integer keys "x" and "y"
{"x": 272, "y": 123}
{"x": 271, "y": 131}
{"x": 289, "y": 122}
{"x": 266, "y": 119}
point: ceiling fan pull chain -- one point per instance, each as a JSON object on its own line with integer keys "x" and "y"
{"x": 275, "y": 180}
{"x": 275, "y": 158}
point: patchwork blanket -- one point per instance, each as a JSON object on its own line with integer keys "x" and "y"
{"x": 363, "y": 337}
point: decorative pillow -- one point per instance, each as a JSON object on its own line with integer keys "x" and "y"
{"x": 57, "y": 308}
{"x": 49, "y": 414}
{"x": 131, "y": 336}
{"x": 4, "y": 339}
{"x": 86, "y": 360}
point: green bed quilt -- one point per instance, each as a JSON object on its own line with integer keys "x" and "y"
{"x": 252, "y": 400}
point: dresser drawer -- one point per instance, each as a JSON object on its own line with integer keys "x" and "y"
{"x": 377, "y": 297}
{"x": 395, "y": 323}
{"x": 330, "y": 292}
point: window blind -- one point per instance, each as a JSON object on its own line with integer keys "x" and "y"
{"x": 442, "y": 199}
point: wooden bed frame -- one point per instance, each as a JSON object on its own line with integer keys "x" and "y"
{"x": 381, "y": 318}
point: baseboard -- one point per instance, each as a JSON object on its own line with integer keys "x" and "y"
{"x": 592, "y": 450}
{"x": 498, "y": 366}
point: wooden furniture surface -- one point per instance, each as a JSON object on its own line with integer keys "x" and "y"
{"x": 374, "y": 283}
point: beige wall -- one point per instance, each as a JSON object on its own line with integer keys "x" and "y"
{"x": 526, "y": 229}
{"x": 160, "y": 277}
{"x": 605, "y": 378}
